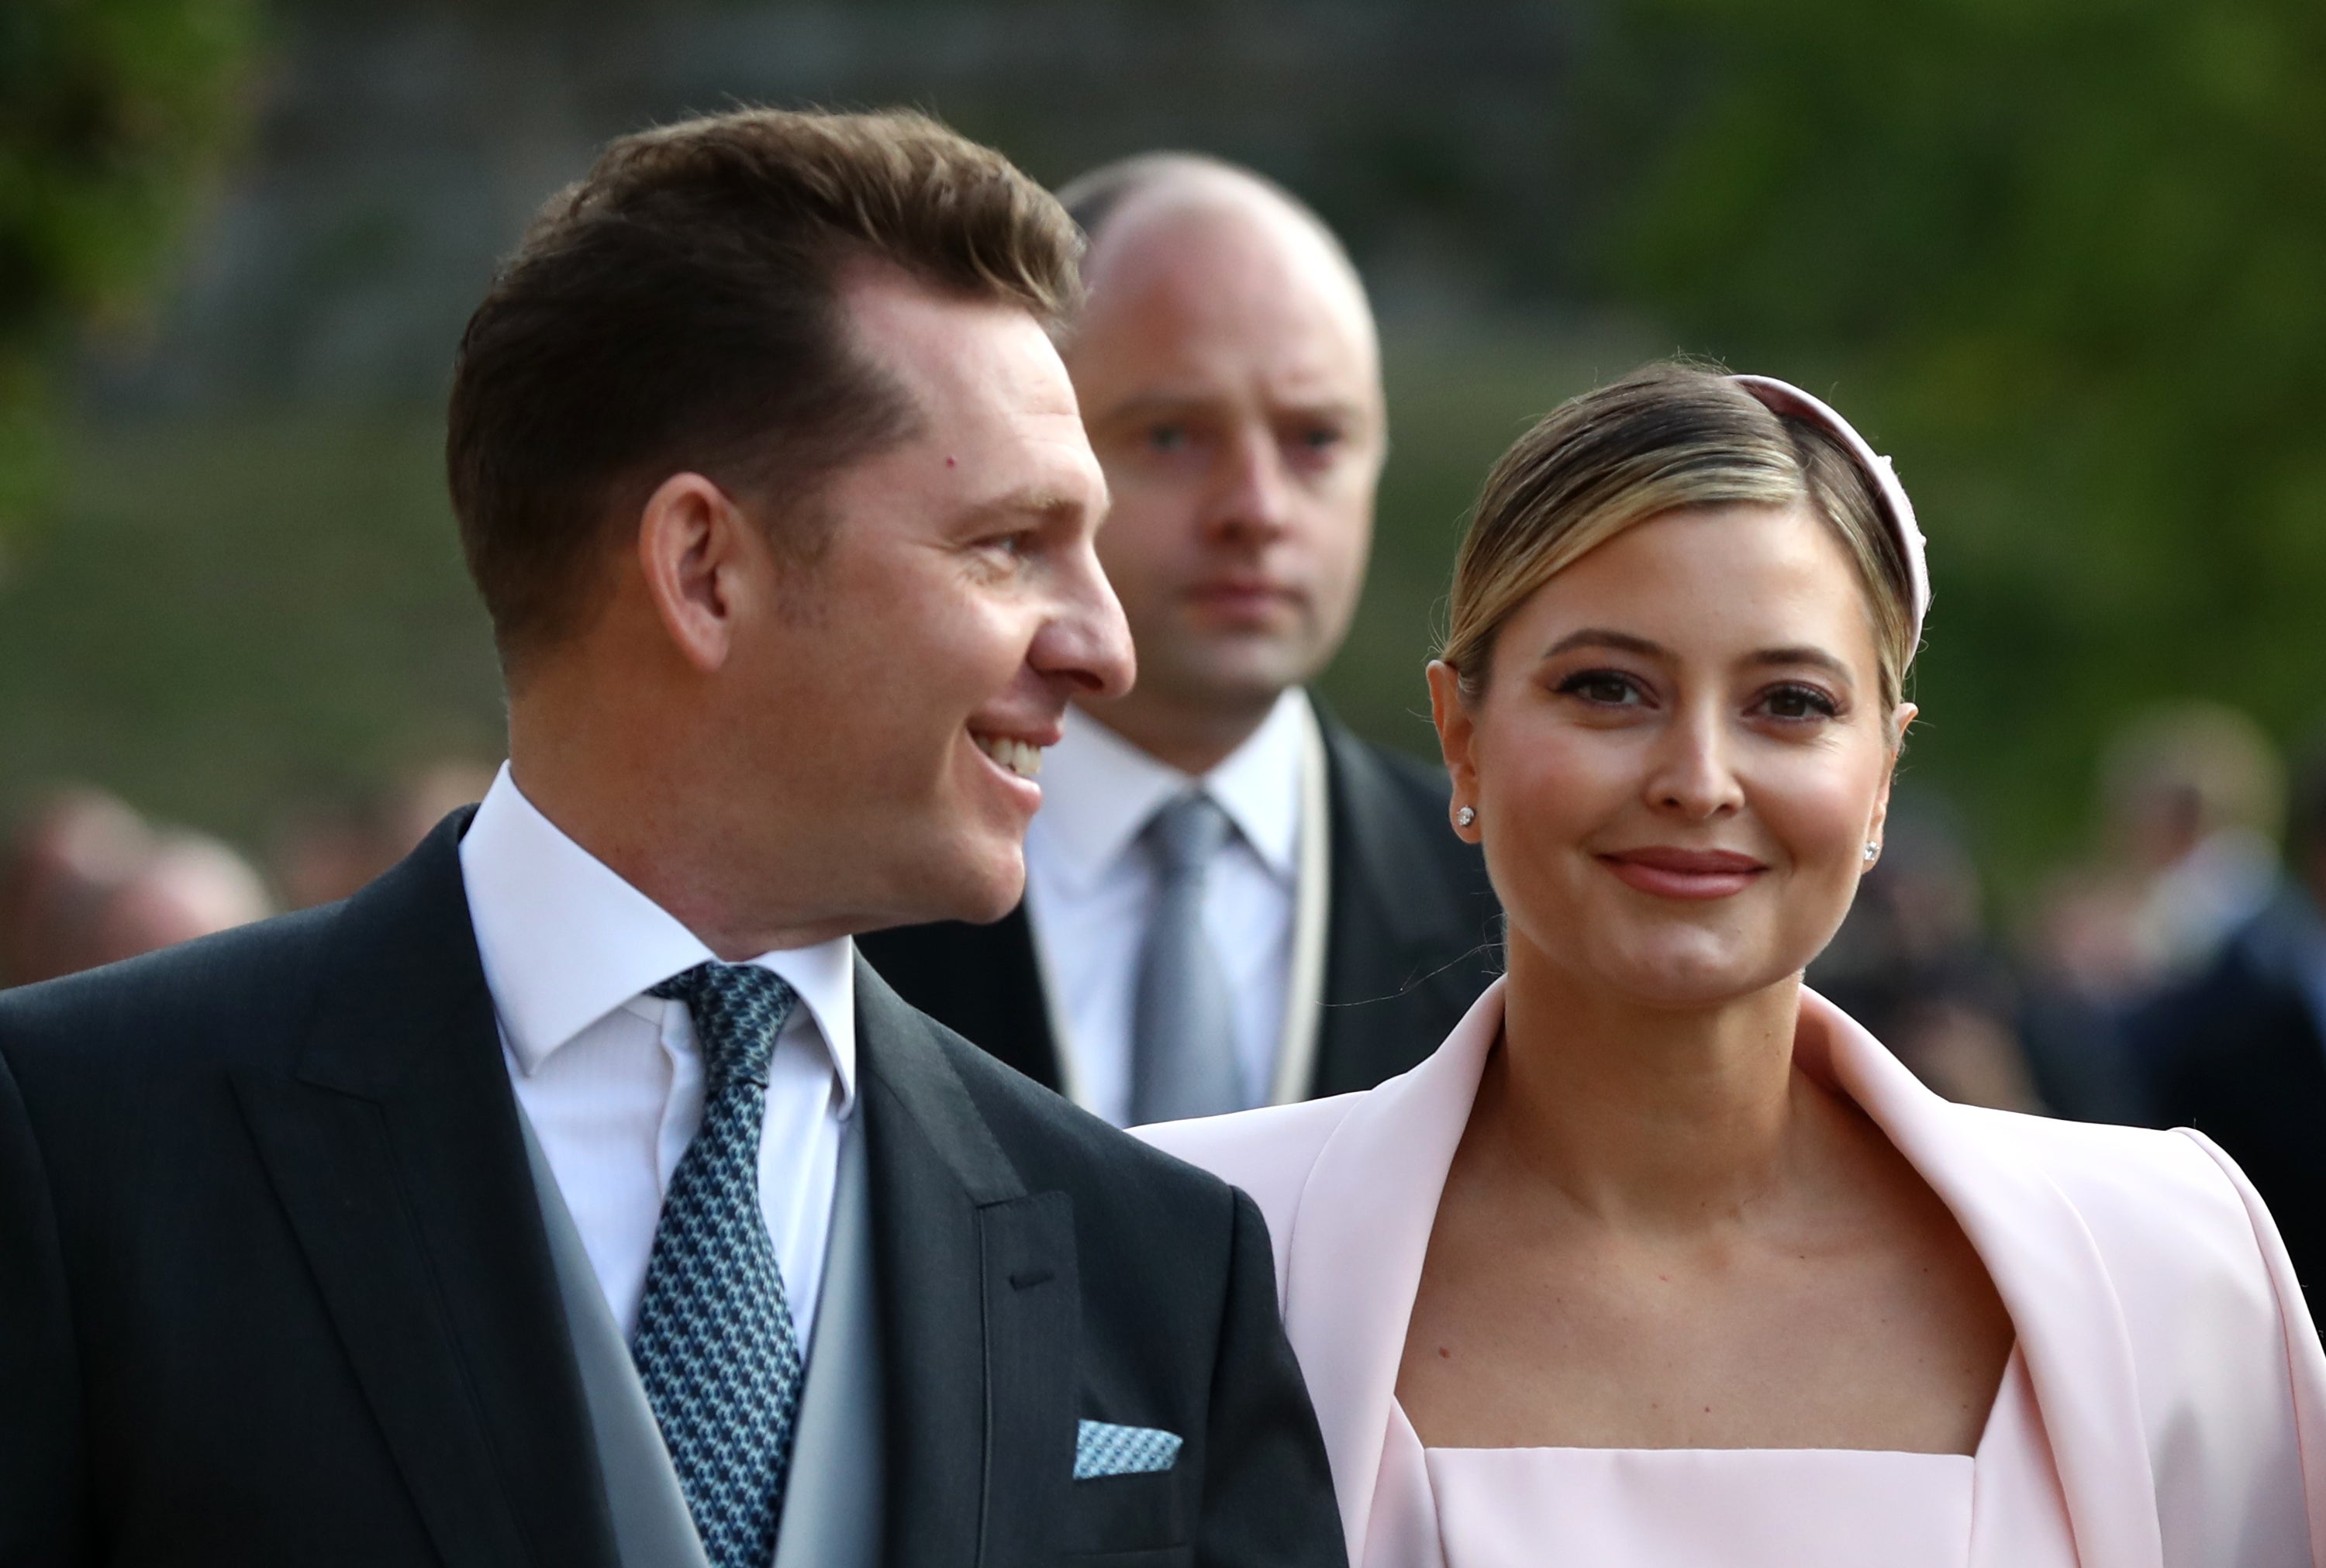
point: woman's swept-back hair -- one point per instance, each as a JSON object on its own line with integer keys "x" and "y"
{"x": 680, "y": 309}
{"x": 1667, "y": 437}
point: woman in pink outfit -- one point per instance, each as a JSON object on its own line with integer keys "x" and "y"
{"x": 1661, "y": 1260}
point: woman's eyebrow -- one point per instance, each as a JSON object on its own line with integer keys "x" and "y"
{"x": 1817, "y": 658}
{"x": 1627, "y": 643}
{"x": 1605, "y": 637}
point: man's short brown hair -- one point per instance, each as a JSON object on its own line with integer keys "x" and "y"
{"x": 679, "y": 309}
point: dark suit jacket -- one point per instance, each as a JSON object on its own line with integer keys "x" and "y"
{"x": 274, "y": 1287}
{"x": 1413, "y": 936}
{"x": 2236, "y": 1053}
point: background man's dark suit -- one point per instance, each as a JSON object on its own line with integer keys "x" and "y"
{"x": 1412, "y": 937}
{"x": 274, "y": 1287}
{"x": 2237, "y": 1053}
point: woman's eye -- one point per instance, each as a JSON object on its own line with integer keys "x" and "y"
{"x": 1800, "y": 702}
{"x": 1167, "y": 438}
{"x": 1608, "y": 688}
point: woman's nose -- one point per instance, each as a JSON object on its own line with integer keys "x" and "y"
{"x": 1692, "y": 772}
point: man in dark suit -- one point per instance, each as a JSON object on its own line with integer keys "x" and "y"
{"x": 1230, "y": 899}
{"x": 571, "y": 1195}
{"x": 2238, "y": 1051}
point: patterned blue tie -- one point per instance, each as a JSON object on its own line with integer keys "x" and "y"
{"x": 715, "y": 1346}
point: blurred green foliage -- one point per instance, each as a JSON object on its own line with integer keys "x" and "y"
{"x": 235, "y": 616}
{"x": 2066, "y": 259}
{"x": 112, "y": 114}
{"x": 242, "y": 612}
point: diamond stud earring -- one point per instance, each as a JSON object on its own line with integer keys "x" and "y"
{"x": 1872, "y": 851}
{"x": 1466, "y": 815}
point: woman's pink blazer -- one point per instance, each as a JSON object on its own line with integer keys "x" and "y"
{"x": 2176, "y": 1370}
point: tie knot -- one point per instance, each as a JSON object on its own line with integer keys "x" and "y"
{"x": 738, "y": 1010}
{"x": 1187, "y": 833}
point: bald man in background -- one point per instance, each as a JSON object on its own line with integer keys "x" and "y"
{"x": 86, "y": 880}
{"x": 1231, "y": 900}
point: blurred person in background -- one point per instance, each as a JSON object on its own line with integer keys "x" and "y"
{"x": 1913, "y": 963}
{"x": 66, "y": 856}
{"x": 189, "y": 885}
{"x": 88, "y": 881}
{"x": 2238, "y": 1050}
{"x": 2191, "y": 798}
{"x": 330, "y": 849}
{"x": 1231, "y": 900}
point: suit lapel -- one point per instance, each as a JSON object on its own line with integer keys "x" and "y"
{"x": 2046, "y": 1268}
{"x": 1390, "y": 916}
{"x": 1365, "y": 1212}
{"x": 395, "y": 1151}
{"x": 980, "y": 1305}
{"x": 983, "y": 980}
{"x": 1032, "y": 1301}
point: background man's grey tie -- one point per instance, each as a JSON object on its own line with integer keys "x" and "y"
{"x": 1182, "y": 1054}
{"x": 715, "y": 1347}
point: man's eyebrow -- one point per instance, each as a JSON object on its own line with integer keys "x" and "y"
{"x": 1156, "y": 405}
{"x": 1148, "y": 404}
{"x": 1035, "y": 503}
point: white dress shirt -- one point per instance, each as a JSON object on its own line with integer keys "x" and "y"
{"x": 1090, "y": 888}
{"x": 612, "y": 1079}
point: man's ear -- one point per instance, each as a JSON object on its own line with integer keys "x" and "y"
{"x": 693, "y": 542}
{"x": 1456, "y": 736}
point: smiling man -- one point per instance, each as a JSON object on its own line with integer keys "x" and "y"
{"x": 571, "y": 1195}
{"x": 1231, "y": 900}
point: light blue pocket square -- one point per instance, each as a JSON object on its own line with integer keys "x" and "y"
{"x": 1104, "y": 1449}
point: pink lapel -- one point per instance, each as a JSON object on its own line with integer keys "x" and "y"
{"x": 1359, "y": 1235}
{"x": 2046, "y": 1268}
{"x": 1362, "y": 1227}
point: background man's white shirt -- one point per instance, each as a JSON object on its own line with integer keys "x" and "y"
{"x": 612, "y": 1079}
{"x": 1090, "y": 886}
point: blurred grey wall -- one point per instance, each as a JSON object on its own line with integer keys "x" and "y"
{"x": 400, "y": 149}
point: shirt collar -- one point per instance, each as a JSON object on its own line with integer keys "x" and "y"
{"x": 565, "y": 941}
{"x": 1099, "y": 791}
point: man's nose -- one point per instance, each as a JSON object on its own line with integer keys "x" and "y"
{"x": 1086, "y": 642}
{"x": 1252, "y": 496}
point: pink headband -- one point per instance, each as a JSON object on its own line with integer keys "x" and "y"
{"x": 1780, "y": 398}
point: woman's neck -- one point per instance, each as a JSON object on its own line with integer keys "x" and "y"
{"x": 1648, "y": 1119}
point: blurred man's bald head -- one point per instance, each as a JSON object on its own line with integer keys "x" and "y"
{"x": 1163, "y": 193}
{"x": 88, "y": 881}
{"x": 1228, "y": 371}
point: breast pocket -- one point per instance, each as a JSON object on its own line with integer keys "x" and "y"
{"x": 1129, "y": 1521}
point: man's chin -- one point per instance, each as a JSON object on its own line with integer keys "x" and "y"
{"x": 991, "y": 904}
{"x": 975, "y": 889}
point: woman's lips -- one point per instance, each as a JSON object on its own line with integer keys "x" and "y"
{"x": 1670, "y": 873}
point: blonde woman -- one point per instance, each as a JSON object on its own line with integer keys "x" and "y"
{"x": 1661, "y": 1260}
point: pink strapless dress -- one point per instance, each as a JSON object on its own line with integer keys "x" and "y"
{"x": 1615, "y": 1507}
